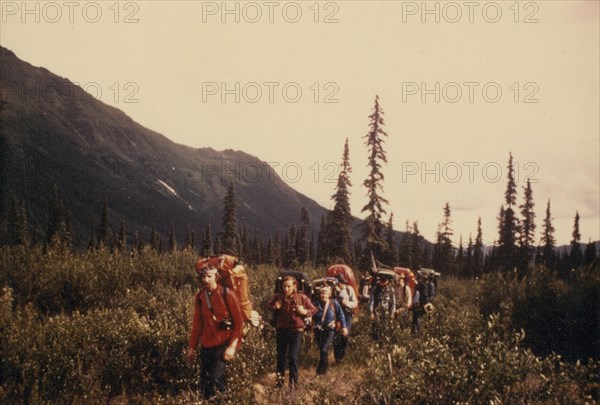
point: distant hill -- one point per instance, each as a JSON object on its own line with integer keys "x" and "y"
{"x": 52, "y": 133}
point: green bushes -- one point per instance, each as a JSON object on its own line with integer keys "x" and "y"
{"x": 85, "y": 328}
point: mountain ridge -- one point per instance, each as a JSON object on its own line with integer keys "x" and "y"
{"x": 53, "y": 133}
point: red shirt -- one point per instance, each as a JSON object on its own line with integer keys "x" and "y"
{"x": 205, "y": 326}
{"x": 287, "y": 318}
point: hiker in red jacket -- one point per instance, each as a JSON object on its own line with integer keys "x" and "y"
{"x": 290, "y": 309}
{"x": 217, "y": 324}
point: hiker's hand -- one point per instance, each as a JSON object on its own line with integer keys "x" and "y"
{"x": 229, "y": 353}
{"x": 277, "y": 305}
{"x": 191, "y": 355}
{"x": 372, "y": 316}
{"x": 301, "y": 310}
{"x": 344, "y": 331}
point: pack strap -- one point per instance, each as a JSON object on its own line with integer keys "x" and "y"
{"x": 325, "y": 311}
{"x": 209, "y": 304}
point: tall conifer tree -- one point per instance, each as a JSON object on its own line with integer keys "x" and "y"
{"x": 527, "y": 230}
{"x": 576, "y": 256}
{"x": 339, "y": 235}
{"x": 372, "y": 227}
{"x": 547, "y": 240}
{"x": 509, "y": 227}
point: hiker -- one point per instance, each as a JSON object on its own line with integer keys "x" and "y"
{"x": 348, "y": 302}
{"x": 217, "y": 324}
{"x": 328, "y": 314}
{"x": 366, "y": 282}
{"x": 403, "y": 299}
{"x": 290, "y": 308}
{"x": 420, "y": 299}
{"x": 382, "y": 300}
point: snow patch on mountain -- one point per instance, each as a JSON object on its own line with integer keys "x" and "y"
{"x": 171, "y": 189}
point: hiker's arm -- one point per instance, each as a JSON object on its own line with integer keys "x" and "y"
{"x": 275, "y": 303}
{"x": 230, "y": 351}
{"x": 352, "y": 301}
{"x": 340, "y": 315}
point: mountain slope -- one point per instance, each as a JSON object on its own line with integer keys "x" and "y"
{"x": 53, "y": 133}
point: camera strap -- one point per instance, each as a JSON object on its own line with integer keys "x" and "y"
{"x": 209, "y": 304}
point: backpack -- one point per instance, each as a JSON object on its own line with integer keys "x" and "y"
{"x": 324, "y": 282}
{"x": 233, "y": 276}
{"x": 304, "y": 284}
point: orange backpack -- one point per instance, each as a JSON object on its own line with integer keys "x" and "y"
{"x": 233, "y": 275}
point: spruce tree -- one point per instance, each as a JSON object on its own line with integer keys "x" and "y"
{"x": 269, "y": 251}
{"x": 206, "y": 249}
{"x": 188, "y": 241}
{"x": 104, "y": 227}
{"x": 18, "y": 225}
{"x": 56, "y": 217}
{"x": 339, "y": 235}
{"x": 291, "y": 255}
{"x": 68, "y": 236}
{"x": 244, "y": 249}
{"x": 590, "y": 256}
{"x": 446, "y": 260}
{"x": 576, "y": 256}
{"x": 547, "y": 241}
{"x": 218, "y": 246}
{"x": 372, "y": 227}
{"x": 301, "y": 242}
{"x": 416, "y": 250}
{"x": 323, "y": 244}
{"x": 172, "y": 240}
{"x": 122, "y": 243}
{"x": 391, "y": 250}
{"x": 277, "y": 249}
{"x": 527, "y": 230}
{"x": 405, "y": 256}
{"x": 460, "y": 257}
{"x": 478, "y": 251}
{"x": 155, "y": 242}
{"x": 229, "y": 237}
{"x": 509, "y": 226}
{"x": 92, "y": 243}
{"x": 468, "y": 262}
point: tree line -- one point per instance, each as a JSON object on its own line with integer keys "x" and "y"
{"x": 514, "y": 251}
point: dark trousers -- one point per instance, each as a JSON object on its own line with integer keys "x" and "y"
{"x": 213, "y": 371}
{"x": 288, "y": 348}
{"x": 340, "y": 343}
{"x": 416, "y": 320}
{"x": 324, "y": 339}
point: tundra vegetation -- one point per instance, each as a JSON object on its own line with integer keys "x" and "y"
{"x": 101, "y": 326}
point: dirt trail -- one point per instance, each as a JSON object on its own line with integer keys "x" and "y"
{"x": 340, "y": 378}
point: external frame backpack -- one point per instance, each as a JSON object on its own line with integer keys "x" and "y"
{"x": 233, "y": 276}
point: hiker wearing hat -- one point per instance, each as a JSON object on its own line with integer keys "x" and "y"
{"x": 382, "y": 300}
{"x": 382, "y": 305}
{"x": 421, "y": 299}
{"x": 217, "y": 326}
{"x": 328, "y": 314}
{"x": 403, "y": 299}
{"x": 348, "y": 302}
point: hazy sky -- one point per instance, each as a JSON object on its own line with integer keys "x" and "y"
{"x": 462, "y": 85}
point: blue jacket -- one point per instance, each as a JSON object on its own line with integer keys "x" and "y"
{"x": 330, "y": 318}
